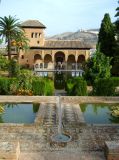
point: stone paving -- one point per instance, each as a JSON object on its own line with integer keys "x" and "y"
{"x": 35, "y": 139}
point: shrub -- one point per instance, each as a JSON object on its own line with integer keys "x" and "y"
{"x": 25, "y": 79}
{"x": 115, "y": 81}
{"x": 8, "y": 85}
{"x": 38, "y": 86}
{"x": 49, "y": 87}
{"x": 13, "y": 68}
{"x": 76, "y": 87}
{"x": 104, "y": 87}
{"x": 3, "y": 86}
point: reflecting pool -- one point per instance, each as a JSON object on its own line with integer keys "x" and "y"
{"x": 18, "y": 113}
{"x": 99, "y": 113}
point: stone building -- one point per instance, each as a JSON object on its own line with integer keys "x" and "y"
{"x": 51, "y": 54}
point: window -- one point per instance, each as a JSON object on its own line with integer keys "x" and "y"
{"x": 35, "y": 35}
{"x": 32, "y": 35}
{"x": 45, "y": 65}
{"x": 41, "y": 65}
{"x": 39, "y": 35}
{"x": 38, "y": 42}
{"x": 22, "y": 57}
{"x": 36, "y": 66}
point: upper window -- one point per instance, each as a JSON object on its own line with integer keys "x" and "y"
{"x": 32, "y": 35}
{"x": 36, "y": 35}
{"x": 39, "y": 35}
{"x": 22, "y": 57}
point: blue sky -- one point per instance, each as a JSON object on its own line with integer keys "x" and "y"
{"x": 61, "y": 15}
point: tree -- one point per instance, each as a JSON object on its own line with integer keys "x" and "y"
{"x": 20, "y": 42}
{"x": 9, "y": 27}
{"x": 115, "y": 67}
{"x": 98, "y": 66}
{"x": 106, "y": 37}
{"x": 117, "y": 21}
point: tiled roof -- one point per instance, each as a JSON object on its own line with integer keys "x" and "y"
{"x": 66, "y": 44}
{"x": 32, "y": 24}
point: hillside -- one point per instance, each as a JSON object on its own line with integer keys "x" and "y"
{"x": 89, "y": 36}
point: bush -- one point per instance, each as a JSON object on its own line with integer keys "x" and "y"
{"x": 38, "y": 86}
{"x": 3, "y": 86}
{"x": 49, "y": 87}
{"x": 104, "y": 87}
{"x": 25, "y": 79}
{"x": 13, "y": 68}
{"x": 76, "y": 87}
{"x": 115, "y": 81}
{"x": 8, "y": 85}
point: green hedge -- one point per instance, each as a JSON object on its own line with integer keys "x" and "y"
{"x": 38, "y": 86}
{"x": 49, "y": 87}
{"x": 76, "y": 87}
{"x": 104, "y": 87}
{"x": 115, "y": 80}
{"x": 6, "y": 85}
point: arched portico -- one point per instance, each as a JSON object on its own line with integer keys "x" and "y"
{"x": 48, "y": 62}
{"x": 80, "y": 61}
{"x": 71, "y": 62}
{"x": 38, "y": 63}
{"x": 59, "y": 60}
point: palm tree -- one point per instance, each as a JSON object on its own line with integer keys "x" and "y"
{"x": 9, "y": 28}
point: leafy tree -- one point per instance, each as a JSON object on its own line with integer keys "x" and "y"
{"x": 106, "y": 37}
{"x": 20, "y": 42}
{"x": 9, "y": 27}
{"x": 98, "y": 66}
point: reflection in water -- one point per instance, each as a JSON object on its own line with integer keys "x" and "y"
{"x": 98, "y": 113}
{"x": 19, "y": 113}
{"x": 59, "y": 80}
{"x": 35, "y": 107}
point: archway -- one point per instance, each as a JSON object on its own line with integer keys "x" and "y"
{"x": 37, "y": 57}
{"x": 80, "y": 61}
{"x": 47, "y": 58}
{"x": 48, "y": 61}
{"x": 71, "y": 62}
{"x": 59, "y": 81}
{"x": 38, "y": 61}
{"x": 59, "y": 60}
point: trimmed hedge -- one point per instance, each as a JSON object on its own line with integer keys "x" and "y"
{"x": 104, "y": 87}
{"x": 76, "y": 87}
{"x": 49, "y": 87}
{"x": 6, "y": 84}
{"x": 13, "y": 86}
{"x": 115, "y": 80}
{"x": 38, "y": 86}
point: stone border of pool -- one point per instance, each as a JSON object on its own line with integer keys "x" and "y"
{"x": 64, "y": 99}
{"x": 52, "y": 99}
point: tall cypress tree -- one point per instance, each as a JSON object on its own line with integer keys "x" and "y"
{"x": 106, "y": 37}
{"x": 117, "y": 22}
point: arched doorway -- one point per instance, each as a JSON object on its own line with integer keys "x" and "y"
{"x": 59, "y": 60}
{"x": 48, "y": 61}
{"x": 38, "y": 61}
{"x": 71, "y": 63}
{"x": 59, "y": 80}
{"x": 80, "y": 61}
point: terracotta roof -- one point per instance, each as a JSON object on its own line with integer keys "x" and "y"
{"x": 65, "y": 44}
{"x": 32, "y": 24}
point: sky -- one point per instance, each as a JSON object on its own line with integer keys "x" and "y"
{"x": 60, "y": 15}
